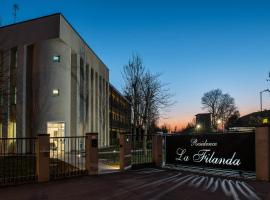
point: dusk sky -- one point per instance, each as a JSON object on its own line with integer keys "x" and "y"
{"x": 196, "y": 45}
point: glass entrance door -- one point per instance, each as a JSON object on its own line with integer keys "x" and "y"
{"x": 56, "y": 130}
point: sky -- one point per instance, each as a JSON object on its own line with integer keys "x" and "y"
{"x": 196, "y": 45}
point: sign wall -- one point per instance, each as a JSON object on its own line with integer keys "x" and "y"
{"x": 228, "y": 151}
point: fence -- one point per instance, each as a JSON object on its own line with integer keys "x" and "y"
{"x": 141, "y": 150}
{"x": 46, "y": 158}
{"x": 17, "y": 160}
{"x": 67, "y": 156}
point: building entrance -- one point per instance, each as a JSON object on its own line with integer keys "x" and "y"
{"x": 56, "y": 130}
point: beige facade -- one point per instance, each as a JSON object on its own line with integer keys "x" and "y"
{"x": 51, "y": 81}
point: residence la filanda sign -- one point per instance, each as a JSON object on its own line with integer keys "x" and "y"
{"x": 230, "y": 151}
{"x": 206, "y": 155}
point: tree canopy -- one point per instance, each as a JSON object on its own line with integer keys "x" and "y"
{"x": 221, "y": 106}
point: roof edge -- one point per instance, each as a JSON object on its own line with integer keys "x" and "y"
{"x": 29, "y": 20}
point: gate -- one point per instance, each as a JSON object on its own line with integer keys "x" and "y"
{"x": 67, "y": 156}
{"x": 141, "y": 151}
{"x": 214, "y": 151}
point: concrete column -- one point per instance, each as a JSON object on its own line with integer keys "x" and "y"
{"x": 108, "y": 113}
{"x": 157, "y": 149}
{"x": 125, "y": 151}
{"x": 43, "y": 157}
{"x": 262, "y": 149}
{"x": 91, "y": 148}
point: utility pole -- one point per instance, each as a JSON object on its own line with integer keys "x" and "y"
{"x": 267, "y": 90}
{"x": 15, "y": 9}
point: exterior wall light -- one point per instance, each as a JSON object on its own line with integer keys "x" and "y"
{"x": 56, "y": 58}
{"x": 55, "y": 92}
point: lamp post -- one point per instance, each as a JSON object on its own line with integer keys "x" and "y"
{"x": 267, "y": 90}
{"x": 198, "y": 126}
{"x": 220, "y": 123}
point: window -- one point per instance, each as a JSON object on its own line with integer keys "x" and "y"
{"x": 1, "y": 61}
{"x": 13, "y": 95}
{"x": 11, "y": 129}
{"x": 55, "y": 92}
{"x": 56, "y": 58}
{"x": 1, "y": 132}
{"x": 1, "y": 98}
{"x": 14, "y": 57}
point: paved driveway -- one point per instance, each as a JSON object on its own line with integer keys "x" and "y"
{"x": 141, "y": 184}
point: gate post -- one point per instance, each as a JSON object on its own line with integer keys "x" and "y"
{"x": 125, "y": 151}
{"x": 91, "y": 153}
{"x": 157, "y": 149}
{"x": 262, "y": 153}
{"x": 43, "y": 157}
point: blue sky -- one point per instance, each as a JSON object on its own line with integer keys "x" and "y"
{"x": 197, "y": 45}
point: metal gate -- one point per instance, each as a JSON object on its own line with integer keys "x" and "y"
{"x": 141, "y": 151}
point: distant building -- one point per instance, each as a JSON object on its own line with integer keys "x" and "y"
{"x": 203, "y": 122}
{"x": 120, "y": 115}
{"x": 51, "y": 82}
{"x": 251, "y": 120}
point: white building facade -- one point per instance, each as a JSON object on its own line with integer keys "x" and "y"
{"x": 51, "y": 82}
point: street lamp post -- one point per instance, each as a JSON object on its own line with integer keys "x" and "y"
{"x": 267, "y": 90}
{"x": 198, "y": 126}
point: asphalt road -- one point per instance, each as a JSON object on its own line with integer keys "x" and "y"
{"x": 141, "y": 184}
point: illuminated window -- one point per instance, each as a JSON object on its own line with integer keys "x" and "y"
{"x": 11, "y": 129}
{"x": 265, "y": 120}
{"x": 56, "y": 58}
{"x": 55, "y": 92}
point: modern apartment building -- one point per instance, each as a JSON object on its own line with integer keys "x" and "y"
{"x": 120, "y": 115}
{"x": 51, "y": 81}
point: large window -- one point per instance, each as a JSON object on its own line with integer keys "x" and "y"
{"x": 1, "y": 98}
{"x": 1, "y": 131}
{"x": 1, "y": 62}
{"x": 14, "y": 57}
{"x": 56, "y": 129}
{"x": 11, "y": 129}
{"x": 13, "y": 95}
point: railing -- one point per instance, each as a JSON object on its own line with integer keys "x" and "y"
{"x": 67, "y": 156}
{"x": 17, "y": 160}
{"x": 141, "y": 149}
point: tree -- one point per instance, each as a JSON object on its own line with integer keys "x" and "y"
{"x": 147, "y": 94}
{"x": 232, "y": 121}
{"x": 132, "y": 75}
{"x": 221, "y": 106}
{"x": 189, "y": 128}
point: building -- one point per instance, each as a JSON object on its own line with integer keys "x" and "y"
{"x": 203, "y": 122}
{"x": 51, "y": 81}
{"x": 120, "y": 115}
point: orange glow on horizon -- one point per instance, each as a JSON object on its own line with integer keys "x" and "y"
{"x": 181, "y": 121}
